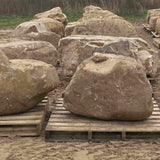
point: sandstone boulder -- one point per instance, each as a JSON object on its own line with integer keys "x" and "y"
{"x": 110, "y": 87}
{"x": 24, "y": 83}
{"x": 152, "y": 17}
{"x": 55, "y": 13}
{"x": 45, "y": 29}
{"x": 74, "y": 49}
{"x": 53, "y": 25}
{"x": 96, "y": 21}
{"x": 37, "y": 50}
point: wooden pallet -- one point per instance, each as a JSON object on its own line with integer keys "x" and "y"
{"x": 63, "y": 123}
{"x": 24, "y": 124}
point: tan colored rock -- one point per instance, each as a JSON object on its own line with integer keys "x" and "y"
{"x": 70, "y": 28}
{"x": 53, "y": 25}
{"x": 110, "y": 87}
{"x": 74, "y": 49}
{"x": 157, "y": 28}
{"x": 152, "y": 17}
{"x": 45, "y": 36}
{"x": 24, "y": 83}
{"x": 30, "y": 26}
{"x": 55, "y": 13}
{"x": 37, "y": 50}
{"x": 96, "y": 21}
{"x": 40, "y": 30}
{"x": 5, "y": 32}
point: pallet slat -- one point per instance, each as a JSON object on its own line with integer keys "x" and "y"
{"x": 23, "y": 117}
{"x": 102, "y": 129}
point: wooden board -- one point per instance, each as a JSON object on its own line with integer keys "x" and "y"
{"x": 24, "y": 124}
{"x": 63, "y": 122}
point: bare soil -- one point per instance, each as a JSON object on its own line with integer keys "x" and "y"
{"x": 35, "y": 148}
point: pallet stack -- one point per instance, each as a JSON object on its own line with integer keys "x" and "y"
{"x": 24, "y": 124}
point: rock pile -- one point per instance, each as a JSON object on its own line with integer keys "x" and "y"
{"x": 74, "y": 49}
{"x": 48, "y": 26}
{"x": 110, "y": 81}
{"x": 96, "y": 21}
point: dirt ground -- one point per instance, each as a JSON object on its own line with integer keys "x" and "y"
{"x": 18, "y": 148}
{"x": 37, "y": 149}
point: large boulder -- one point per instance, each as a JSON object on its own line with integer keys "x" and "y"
{"x": 152, "y": 17}
{"x": 24, "y": 83}
{"x": 55, "y": 13}
{"x": 44, "y": 29}
{"x": 110, "y": 87}
{"x": 96, "y": 21}
{"x": 74, "y": 49}
{"x": 37, "y": 50}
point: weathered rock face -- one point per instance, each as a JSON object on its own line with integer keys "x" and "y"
{"x": 110, "y": 87}
{"x": 5, "y": 33}
{"x": 37, "y": 50}
{"x": 74, "y": 49}
{"x": 70, "y": 27}
{"x": 152, "y": 17}
{"x": 53, "y": 25}
{"x": 30, "y": 26}
{"x": 157, "y": 28}
{"x": 96, "y": 21}
{"x": 24, "y": 83}
{"x": 55, "y": 13}
{"x": 45, "y": 29}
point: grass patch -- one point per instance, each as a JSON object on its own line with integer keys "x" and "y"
{"x": 134, "y": 16}
{"x": 72, "y": 14}
{"x": 13, "y": 20}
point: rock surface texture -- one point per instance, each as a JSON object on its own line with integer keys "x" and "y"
{"x": 47, "y": 26}
{"x": 45, "y": 29}
{"x": 74, "y": 49}
{"x": 96, "y": 21}
{"x": 152, "y": 17}
{"x": 37, "y": 50}
{"x": 110, "y": 87}
{"x": 55, "y": 13}
{"x": 24, "y": 83}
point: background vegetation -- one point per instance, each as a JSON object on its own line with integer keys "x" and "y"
{"x": 22, "y": 10}
{"x": 121, "y": 7}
